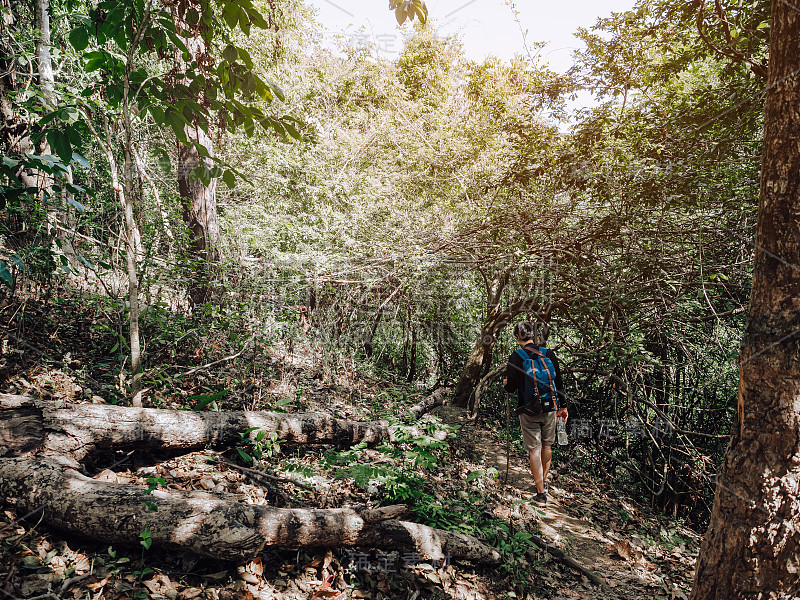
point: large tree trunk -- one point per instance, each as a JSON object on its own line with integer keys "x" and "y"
{"x": 752, "y": 548}
{"x": 471, "y": 373}
{"x": 204, "y": 524}
{"x": 199, "y": 200}
{"x": 200, "y": 215}
{"x": 83, "y": 430}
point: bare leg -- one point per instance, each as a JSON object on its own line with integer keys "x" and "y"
{"x": 535, "y": 459}
{"x": 547, "y": 457}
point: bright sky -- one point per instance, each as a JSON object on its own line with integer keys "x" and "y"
{"x": 485, "y": 26}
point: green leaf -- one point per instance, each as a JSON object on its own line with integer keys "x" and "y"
{"x": 200, "y": 174}
{"x": 95, "y": 61}
{"x": 275, "y": 124}
{"x": 176, "y": 121}
{"x": 49, "y": 118}
{"x": 246, "y": 59}
{"x": 59, "y": 141}
{"x": 146, "y": 541}
{"x": 277, "y": 89}
{"x": 79, "y": 38}
{"x": 120, "y": 36}
{"x": 114, "y": 93}
{"x": 78, "y": 206}
{"x": 231, "y": 14}
{"x": 257, "y": 19}
{"x": 18, "y": 262}
{"x": 206, "y": 399}
{"x": 162, "y": 157}
{"x": 5, "y": 274}
{"x": 74, "y": 135}
{"x": 475, "y": 475}
{"x": 230, "y": 179}
{"x": 176, "y": 39}
{"x": 70, "y": 115}
{"x": 230, "y": 53}
{"x": 292, "y": 131}
{"x": 157, "y": 113}
{"x": 77, "y": 159}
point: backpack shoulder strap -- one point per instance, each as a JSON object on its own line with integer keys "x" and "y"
{"x": 541, "y": 352}
{"x": 522, "y": 354}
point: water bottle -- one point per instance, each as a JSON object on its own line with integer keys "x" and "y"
{"x": 562, "y": 432}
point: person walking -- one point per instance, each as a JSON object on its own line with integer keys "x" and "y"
{"x": 534, "y": 373}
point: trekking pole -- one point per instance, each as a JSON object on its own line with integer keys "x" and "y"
{"x": 508, "y": 439}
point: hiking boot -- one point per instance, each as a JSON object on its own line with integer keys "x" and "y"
{"x": 540, "y": 499}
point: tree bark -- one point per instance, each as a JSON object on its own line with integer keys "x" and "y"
{"x": 200, "y": 215}
{"x": 471, "y": 373}
{"x": 199, "y": 200}
{"x": 751, "y": 548}
{"x": 43, "y": 60}
{"x": 475, "y": 404}
{"x": 82, "y": 430}
{"x": 204, "y": 524}
{"x": 437, "y": 398}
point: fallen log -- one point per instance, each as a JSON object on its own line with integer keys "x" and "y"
{"x": 204, "y": 524}
{"x": 77, "y": 431}
{"x": 437, "y": 398}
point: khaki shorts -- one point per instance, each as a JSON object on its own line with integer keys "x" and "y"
{"x": 538, "y": 431}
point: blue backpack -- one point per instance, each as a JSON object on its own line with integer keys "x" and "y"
{"x": 539, "y": 394}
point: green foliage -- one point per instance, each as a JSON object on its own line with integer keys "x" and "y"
{"x": 145, "y": 536}
{"x": 187, "y": 94}
{"x": 409, "y": 9}
{"x": 254, "y": 448}
{"x": 207, "y": 400}
{"x": 401, "y": 478}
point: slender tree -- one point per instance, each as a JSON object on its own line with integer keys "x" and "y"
{"x": 752, "y": 548}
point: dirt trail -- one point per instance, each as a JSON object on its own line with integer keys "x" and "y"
{"x": 630, "y": 566}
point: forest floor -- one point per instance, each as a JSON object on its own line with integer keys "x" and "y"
{"x": 459, "y": 485}
{"x": 636, "y": 553}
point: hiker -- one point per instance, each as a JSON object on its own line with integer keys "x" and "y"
{"x": 539, "y": 405}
